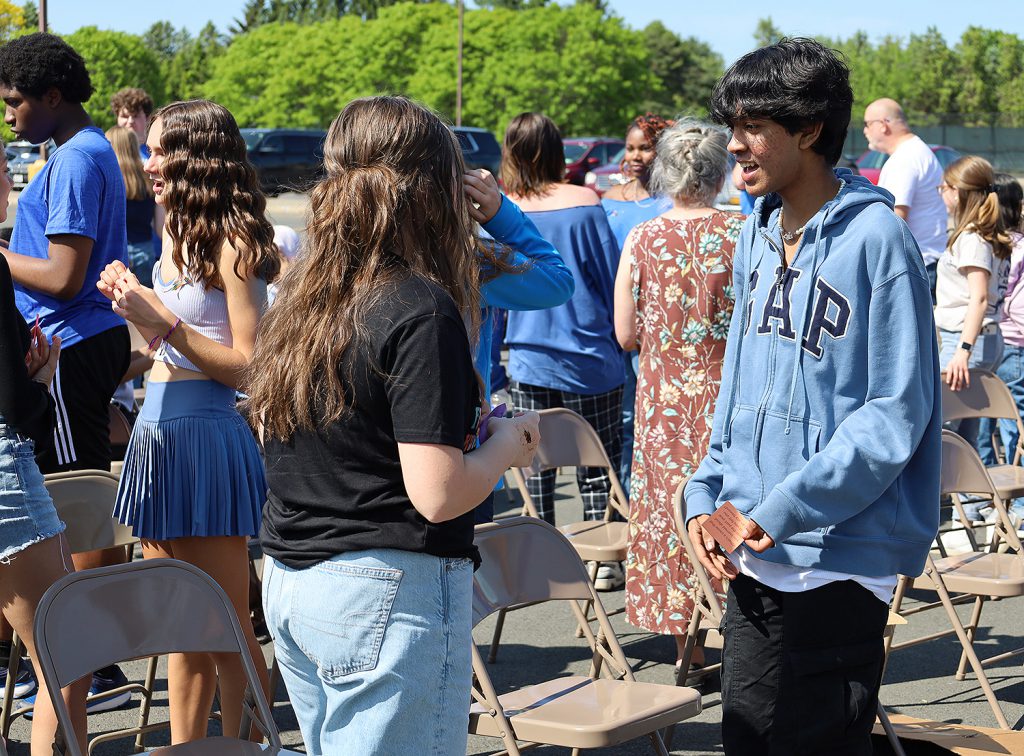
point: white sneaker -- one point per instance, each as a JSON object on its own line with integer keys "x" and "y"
{"x": 609, "y": 577}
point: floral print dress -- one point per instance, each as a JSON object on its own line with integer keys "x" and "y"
{"x": 682, "y": 287}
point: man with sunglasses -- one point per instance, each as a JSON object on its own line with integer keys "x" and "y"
{"x": 911, "y": 174}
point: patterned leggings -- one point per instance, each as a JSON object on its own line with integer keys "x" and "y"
{"x": 604, "y": 413}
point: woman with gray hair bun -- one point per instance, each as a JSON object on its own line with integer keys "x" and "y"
{"x": 673, "y": 301}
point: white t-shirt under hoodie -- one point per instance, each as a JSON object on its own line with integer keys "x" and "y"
{"x": 913, "y": 174}
{"x": 951, "y": 290}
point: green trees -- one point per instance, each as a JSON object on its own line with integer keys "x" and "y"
{"x": 297, "y": 62}
{"x": 116, "y": 60}
{"x": 587, "y": 71}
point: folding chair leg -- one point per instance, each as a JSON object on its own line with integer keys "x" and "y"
{"x": 499, "y": 625}
{"x": 140, "y": 738}
{"x": 972, "y": 630}
{"x": 658, "y": 743}
{"x": 890, "y": 733}
{"x": 13, "y": 662}
{"x": 897, "y": 601}
{"x": 592, "y": 569}
{"x": 965, "y": 643}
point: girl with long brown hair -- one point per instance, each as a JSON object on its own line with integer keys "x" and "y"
{"x": 144, "y": 218}
{"x": 971, "y": 277}
{"x": 363, "y": 381}
{"x": 193, "y": 485}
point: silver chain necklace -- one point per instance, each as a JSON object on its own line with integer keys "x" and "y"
{"x": 791, "y": 236}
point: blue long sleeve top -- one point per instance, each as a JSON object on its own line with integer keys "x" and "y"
{"x": 543, "y": 282}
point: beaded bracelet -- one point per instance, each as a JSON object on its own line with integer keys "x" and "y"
{"x": 166, "y": 335}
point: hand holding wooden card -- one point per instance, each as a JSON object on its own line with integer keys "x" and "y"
{"x": 726, "y": 526}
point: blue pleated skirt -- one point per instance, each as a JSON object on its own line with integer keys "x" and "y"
{"x": 192, "y": 467}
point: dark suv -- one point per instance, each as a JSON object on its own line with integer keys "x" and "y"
{"x": 479, "y": 148}
{"x": 286, "y": 159}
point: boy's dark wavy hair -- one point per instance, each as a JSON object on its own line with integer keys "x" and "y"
{"x": 34, "y": 63}
{"x": 797, "y": 82}
{"x": 211, "y": 194}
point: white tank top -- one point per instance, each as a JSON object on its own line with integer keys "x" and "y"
{"x": 205, "y": 310}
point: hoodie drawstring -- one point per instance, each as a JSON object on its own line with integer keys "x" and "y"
{"x": 798, "y": 363}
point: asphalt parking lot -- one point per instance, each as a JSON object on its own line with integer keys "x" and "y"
{"x": 539, "y": 643}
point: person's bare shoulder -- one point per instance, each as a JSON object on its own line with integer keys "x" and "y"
{"x": 578, "y": 195}
{"x": 616, "y": 192}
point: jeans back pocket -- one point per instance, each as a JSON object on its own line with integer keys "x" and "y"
{"x": 339, "y": 613}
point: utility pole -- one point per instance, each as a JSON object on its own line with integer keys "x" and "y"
{"x": 458, "y": 75}
{"x": 42, "y": 27}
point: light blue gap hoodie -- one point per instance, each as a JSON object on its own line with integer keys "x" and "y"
{"x": 828, "y": 425}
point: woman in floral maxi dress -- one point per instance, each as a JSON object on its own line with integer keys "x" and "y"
{"x": 674, "y": 300}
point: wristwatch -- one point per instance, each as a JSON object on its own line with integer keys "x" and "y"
{"x": 966, "y": 347}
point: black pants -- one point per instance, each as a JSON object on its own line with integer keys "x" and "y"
{"x": 87, "y": 375}
{"x": 801, "y": 671}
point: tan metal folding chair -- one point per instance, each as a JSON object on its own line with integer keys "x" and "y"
{"x": 568, "y": 440}
{"x": 977, "y": 575}
{"x": 526, "y": 561}
{"x": 143, "y": 609}
{"x": 988, "y": 397}
{"x": 707, "y": 607}
{"x": 84, "y": 500}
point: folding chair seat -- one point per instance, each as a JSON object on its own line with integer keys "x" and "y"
{"x": 568, "y": 440}
{"x": 526, "y": 561}
{"x": 139, "y": 610}
{"x": 84, "y": 500}
{"x": 975, "y": 575}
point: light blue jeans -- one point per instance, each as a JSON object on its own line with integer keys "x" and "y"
{"x": 374, "y": 648}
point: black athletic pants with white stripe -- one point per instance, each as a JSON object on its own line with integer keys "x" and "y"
{"x": 604, "y": 413}
{"x": 87, "y": 375}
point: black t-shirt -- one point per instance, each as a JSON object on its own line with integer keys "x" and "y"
{"x": 340, "y": 488}
{"x": 25, "y": 405}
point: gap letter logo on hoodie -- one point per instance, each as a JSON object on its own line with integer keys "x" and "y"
{"x": 827, "y": 428}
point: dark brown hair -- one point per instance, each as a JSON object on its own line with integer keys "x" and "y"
{"x": 133, "y": 100}
{"x": 977, "y": 208}
{"x": 532, "y": 155}
{"x": 211, "y": 194}
{"x": 391, "y": 201}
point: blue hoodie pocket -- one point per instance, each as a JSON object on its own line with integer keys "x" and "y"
{"x": 779, "y": 453}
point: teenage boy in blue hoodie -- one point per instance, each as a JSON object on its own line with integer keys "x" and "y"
{"x": 826, "y": 435}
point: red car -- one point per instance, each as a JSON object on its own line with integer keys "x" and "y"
{"x": 870, "y": 163}
{"x": 584, "y": 154}
{"x": 604, "y": 177}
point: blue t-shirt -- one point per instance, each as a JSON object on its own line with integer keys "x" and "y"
{"x": 572, "y": 347}
{"x": 79, "y": 191}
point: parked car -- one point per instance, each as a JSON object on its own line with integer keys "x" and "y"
{"x": 604, "y": 177}
{"x": 479, "y": 148}
{"x": 583, "y": 154}
{"x": 871, "y": 161}
{"x": 25, "y": 154}
{"x": 286, "y": 159}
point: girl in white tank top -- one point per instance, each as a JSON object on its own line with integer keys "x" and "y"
{"x": 193, "y": 484}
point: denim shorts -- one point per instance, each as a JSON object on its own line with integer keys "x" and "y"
{"x": 374, "y": 648}
{"x": 27, "y": 515}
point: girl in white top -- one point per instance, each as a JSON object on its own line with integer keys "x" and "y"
{"x": 193, "y": 484}
{"x": 972, "y": 275}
